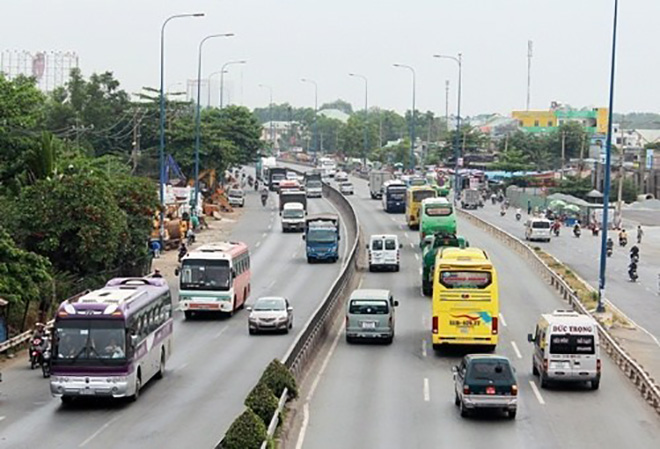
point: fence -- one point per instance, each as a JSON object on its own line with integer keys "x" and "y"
{"x": 640, "y": 378}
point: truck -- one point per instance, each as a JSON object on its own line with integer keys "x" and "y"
{"x": 322, "y": 238}
{"x": 314, "y": 185}
{"x": 471, "y": 199}
{"x": 430, "y": 246}
{"x": 263, "y": 165}
{"x": 293, "y": 217}
{"x": 292, "y": 196}
{"x": 275, "y": 175}
{"x": 376, "y": 181}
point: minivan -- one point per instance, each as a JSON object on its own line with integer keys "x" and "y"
{"x": 370, "y": 315}
{"x": 566, "y": 348}
{"x": 538, "y": 229}
{"x": 384, "y": 252}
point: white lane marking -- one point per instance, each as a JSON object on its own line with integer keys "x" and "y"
{"x": 423, "y": 348}
{"x": 305, "y": 423}
{"x": 516, "y": 350}
{"x": 427, "y": 390}
{"x": 420, "y": 271}
{"x": 360, "y": 284}
{"x": 2, "y": 417}
{"x": 502, "y": 320}
{"x": 220, "y": 332}
{"x": 393, "y": 219}
{"x": 406, "y": 234}
{"x": 416, "y": 256}
{"x": 537, "y": 393}
{"x": 98, "y": 432}
{"x": 412, "y": 245}
{"x": 270, "y": 226}
{"x": 182, "y": 366}
{"x": 271, "y": 283}
{"x": 264, "y": 235}
{"x": 258, "y": 244}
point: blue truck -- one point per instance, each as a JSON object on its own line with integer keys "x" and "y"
{"x": 322, "y": 238}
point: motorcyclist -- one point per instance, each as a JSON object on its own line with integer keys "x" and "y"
{"x": 183, "y": 250}
{"x": 632, "y": 271}
{"x": 610, "y": 243}
{"x": 518, "y": 214}
{"x": 264, "y": 195}
{"x": 556, "y": 226}
{"x": 640, "y": 233}
{"x": 623, "y": 237}
{"x": 634, "y": 254}
{"x": 577, "y": 230}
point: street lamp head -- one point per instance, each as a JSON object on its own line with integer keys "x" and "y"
{"x": 396, "y": 65}
{"x": 227, "y": 35}
{"x": 198, "y": 14}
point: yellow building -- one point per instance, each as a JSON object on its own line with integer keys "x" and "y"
{"x": 594, "y": 120}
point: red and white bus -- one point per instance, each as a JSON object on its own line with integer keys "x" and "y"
{"x": 215, "y": 278}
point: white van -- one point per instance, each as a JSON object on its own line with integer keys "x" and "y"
{"x": 538, "y": 229}
{"x": 384, "y": 252}
{"x": 566, "y": 348}
{"x": 293, "y": 217}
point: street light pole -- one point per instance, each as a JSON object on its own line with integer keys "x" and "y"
{"x": 316, "y": 109}
{"x": 457, "y": 148}
{"x": 608, "y": 164}
{"x": 198, "y": 111}
{"x": 222, "y": 78}
{"x": 270, "y": 113}
{"x": 366, "y": 113}
{"x": 412, "y": 119}
{"x": 161, "y": 148}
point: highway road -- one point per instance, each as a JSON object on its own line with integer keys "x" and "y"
{"x": 214, "y": 364}
{"x": 639, "y": 300}
{"x": 401, "y": 396}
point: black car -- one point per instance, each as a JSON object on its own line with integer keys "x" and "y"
{"x": 485, "y": 381}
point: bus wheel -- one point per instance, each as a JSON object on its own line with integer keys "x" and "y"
{"x": 161, "y": 366}
{"x": 188, "y": 314}
{"x": 427, "y": 288}
{"x": 138, "y": 385}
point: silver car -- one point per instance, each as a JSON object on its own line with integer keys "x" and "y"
{"x": 346, "y": 188}
{"x": 270, "y": 313}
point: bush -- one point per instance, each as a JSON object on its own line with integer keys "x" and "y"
{"x": 277, "y": 377}
{"x": 246, "y": 432}
{"x": 263, "y": 402}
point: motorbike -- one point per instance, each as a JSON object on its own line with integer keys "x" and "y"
{"x": 182, "y": 252}
{"x": 45, "y": 362}
{"x": 623, "y": 241}
{"x": 594, "y": 231}
{"x": 632, "y": 272}
{"x": 502, "y": 212}
{"x": 556, "y": 229}
{"x": 577, "y": 232}
{"x": 608, "y": 251}
{"x": 518, "y": 216}
{"x": 36, "y": 352}
{"x": 264, "y": 198}
{"x": 493, "y": 199}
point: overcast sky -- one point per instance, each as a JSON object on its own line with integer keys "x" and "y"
{"x": 285, "y": 40}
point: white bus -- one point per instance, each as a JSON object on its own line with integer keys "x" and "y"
{"x": 328, "y": 166}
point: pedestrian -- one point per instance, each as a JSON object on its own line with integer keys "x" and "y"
{"x": 155, "y": 248}
{"x": 529, "y": 207}
{"x": 640, "y": 233}
{"x": 157, "y": 274}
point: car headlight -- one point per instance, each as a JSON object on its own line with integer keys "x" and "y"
{"x": 282, "y": 318}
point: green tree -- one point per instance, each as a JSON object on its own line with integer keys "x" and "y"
{"x": 534, "y": 146}
{"x": 339, "y": 104}
{"x": 512, "y": 160}
{"x": 573, "y": 185}
{"x": 570, "y": 134}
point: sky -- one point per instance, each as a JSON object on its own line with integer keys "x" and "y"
{"x": 286, "y": 40}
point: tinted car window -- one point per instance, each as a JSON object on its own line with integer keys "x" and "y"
{"x": 377, "y": 245}
{"x": 390, "y": 244}
{"x": 541, "y": 225}
{"x": 489, "y": 370}
{"x": 368, "y": 307}
{"x": 572, "y": 344}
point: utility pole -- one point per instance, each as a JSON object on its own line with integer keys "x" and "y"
{"x": 530, "y": 51}
{"x": 620, "y": 176}
{"x": 136, "y": 142}
{"x": 563, "y": 153}
{"x": 447, "y": 106}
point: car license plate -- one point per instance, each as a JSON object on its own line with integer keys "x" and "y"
{"x": 490, "y": 390}
{"x": 86, "y": 392}
{"x": 368, "y": 325}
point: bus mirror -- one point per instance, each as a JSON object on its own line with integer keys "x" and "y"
{"x": 396, "y": 303}
{"x": 134, "y": 341}
{"x": 233, "y": 272}
{"x": 248, "y": 308}
{"x": 176, "y": 271}
{"x": 454, "y": 369}
{"x": 303, "y": 237}
{"x": 530, "y": 338}
{"x": 367, "y": 246}
{"x": 400, "y": 245}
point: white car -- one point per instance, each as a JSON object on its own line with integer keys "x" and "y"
{"x": 270, "y": 313}
{"x": 341, "y": 176}
{"x": 236, "y": 197}
{"x": 384, "y": 252}
{"x": 292, "y": 176}
{"x": 346, "y": 188}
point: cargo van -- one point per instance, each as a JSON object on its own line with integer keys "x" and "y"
{"x": 566, "y": 348}
{"x": 370, "y": 315}
{"x": 538, "y": 229}
{"x": 384, "y": 252}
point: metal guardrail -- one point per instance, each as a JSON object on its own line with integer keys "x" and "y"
{"x": 647, "y": 387}
{"x": 19, "y": 339}
{"x": 275, "y": 420}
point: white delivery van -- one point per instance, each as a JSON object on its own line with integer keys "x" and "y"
{"x": 566, "y": 348}
{"x": 384, "y": 252}
{"x": 538, "y": 229}
{"x": 293, "y": 217}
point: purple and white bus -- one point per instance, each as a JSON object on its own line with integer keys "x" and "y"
{"x": 112, "y": 341}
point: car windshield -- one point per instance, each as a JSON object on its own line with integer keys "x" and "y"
{"x": 422, "y": 195}
{"x": 347, "y": 184}
{"x": 368, "y": 307}
{"x": 278, "y": 176}
{"x": 315, "y": 183}
{"x": 293, "y": 213}
{"x": 236, "y": 193}
{"x": 572, "y": 344}
{"x": 205, "y": 275}
{"x": 322, "y": 235}
{"x": 269, "y": 304}
{"x": 80, "y": 341}
{"x": 489, "y": 370}
{"x": 438, "y": 211}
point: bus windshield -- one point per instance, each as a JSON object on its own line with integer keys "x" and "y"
{"x": 422, "y": 195}
{"x": 465, "y": 279}
{"x": 314, "y": 183}
{"x": 205, "y": 275}
{"x": 293, "y": 213}
{"x": 438, "y": 211}
{"x": 79, "y": 341}
{"x": 322, "y": 235}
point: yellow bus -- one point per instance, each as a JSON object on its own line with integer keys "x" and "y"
{"x": 414, "y": 197}
{"x": 465, "y": 299}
